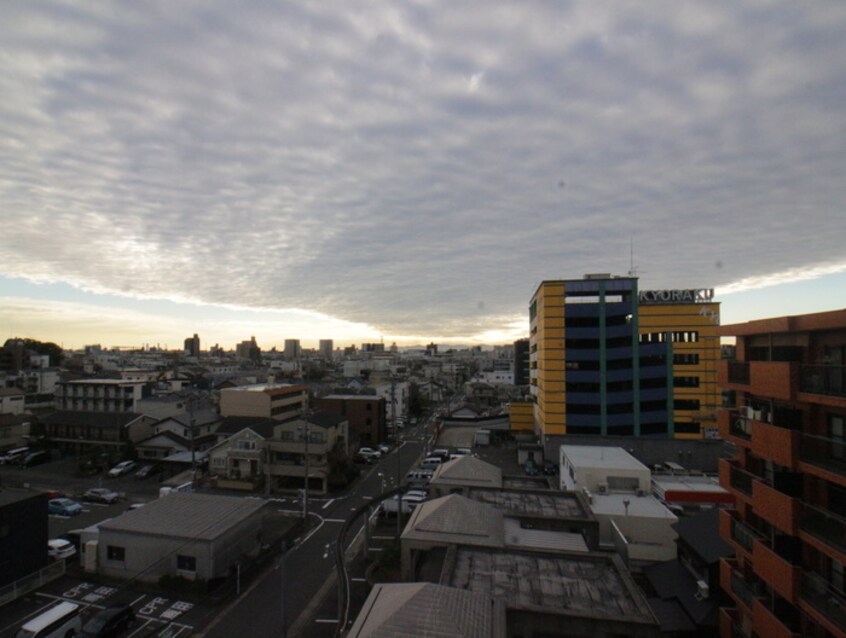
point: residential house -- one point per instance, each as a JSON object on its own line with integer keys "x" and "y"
{"x": 314, "y": 438}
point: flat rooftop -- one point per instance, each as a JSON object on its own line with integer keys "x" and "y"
{"x": 641, "y": 506}
{"x": 263, "y": 387}
{"x": 536, "y": 504}
{"x": 592, "y": 585}
{"x": 601, "y": 456}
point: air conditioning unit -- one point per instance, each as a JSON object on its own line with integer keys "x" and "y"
{"x": 603, "y": 488}
{"x": 702, "y": 590}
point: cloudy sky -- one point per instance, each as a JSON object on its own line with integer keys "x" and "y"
{"x": 409, "y": 170}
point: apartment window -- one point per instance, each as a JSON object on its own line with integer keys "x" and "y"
{"x": 186, "y": 563}
{"x": 837, "y": 434}
{"x": 685, "y": 359}
{"x": 113, "y": 552}
{"x": 686, "y": 382}
{"x": 686, "y": 404}
{"x": 246, "y": 445}
{"x": 691, "y": 427}
{"x": 369, "y": 407}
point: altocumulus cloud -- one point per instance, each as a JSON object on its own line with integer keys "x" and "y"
{"x": 417, "y": 167}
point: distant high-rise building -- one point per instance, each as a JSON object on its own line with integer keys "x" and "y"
{"x": 327, "y": 348}
{"x": 248, "y": 350}
{"x": 607, "y": 359}
{"x": 373, "y": 347}
{"x": 292, "y": 349}
{"x": 785, "y": 416}
{"x": 521, "y": 362}
{"x": 431, "y": 349}
{"x": 192, "y": 346}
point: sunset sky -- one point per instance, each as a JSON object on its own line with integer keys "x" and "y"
{"x": 409, "y": 171}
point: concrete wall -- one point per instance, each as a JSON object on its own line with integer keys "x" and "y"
{"x": 156, "y": 555}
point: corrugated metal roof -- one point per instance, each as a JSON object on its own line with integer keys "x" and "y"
{"x": 194, "y": 516}
{"x": 469, "y": 470}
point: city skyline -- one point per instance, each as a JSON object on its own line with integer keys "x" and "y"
{"x": 409, "y": 173}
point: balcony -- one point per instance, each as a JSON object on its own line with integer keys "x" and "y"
{"x": 778, "y": 504}
{"x": 826, "y": 380}
{"x": 734, "y": 428}
{"x": 824, "y": 453}
{"x": 771, "y": 624}
{"x": 777, "y": 570}
{"x": 824, "y": 525}
{"x": 773, "y": 379}
{"x": 741, "y": 481}
{"x": 828, "y": 601}
{"x": 742, "y": 535}
{"x": 777, "y": 444}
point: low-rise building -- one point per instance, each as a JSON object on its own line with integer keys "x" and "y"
{"x": 195, "y": 536}
{"x": 366, "y": 414}
{"x": 316, "y": 438}
{"x": 278, "y": 401}
{"x": 12, "y": 401}
{"x": 101, "y": 395}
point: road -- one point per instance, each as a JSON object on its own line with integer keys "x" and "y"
{"x": 298, "y": 577}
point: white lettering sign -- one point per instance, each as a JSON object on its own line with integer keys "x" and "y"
{"x": 694, "y": 295}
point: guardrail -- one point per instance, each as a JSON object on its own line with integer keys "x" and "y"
{"x": 24, "y": 585}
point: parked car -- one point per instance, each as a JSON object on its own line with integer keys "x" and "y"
{"x": 531, "y": 468}
{"x": 112, "y": 621}
{"x": 550, "y": 468}
{"x": 384, "y": 448}
{"x": 101, "y": 495}
{"x": 59, "y": 548}
{"x": 36, "y": 458}
{"x": 63, "y": 507}
{"x": 10, "y": 457}
{"x": 368, "y": 455}
{"x": 147, "y": 471}
{"x": 124, "y": 467}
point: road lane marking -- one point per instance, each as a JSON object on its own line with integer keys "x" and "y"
{"x": 328, "y": 503}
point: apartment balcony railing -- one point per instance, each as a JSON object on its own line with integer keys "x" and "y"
{"x": 773, "y": 379}
{"x": 744, "y": 535}
{"x": 741, "y": 480}
{"x": 776, "y": 563}
{"x": 825, "y": 598}
{"x": 777, "y": 501}
{"x": 824, "y": 525}
{"x": 828, "y": 380}
{"x": 828, "y": 454}
{"x": 742, "y": 590}
{"x": 740, "y": 426}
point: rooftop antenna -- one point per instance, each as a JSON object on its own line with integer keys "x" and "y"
{"x": 632, "y": 269}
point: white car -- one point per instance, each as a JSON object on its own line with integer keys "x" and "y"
{"x": 124, "y": 467}
{"x": 369, "y": 454}
{"x": 59, "y": 548}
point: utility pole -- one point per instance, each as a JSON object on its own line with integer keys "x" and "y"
{"x": 193, "y": 447}
{"x": 305, "y": 482}
{"x": 397, "y": 443}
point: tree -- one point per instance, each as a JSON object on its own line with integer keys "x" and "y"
{"x": 49, "y": 348}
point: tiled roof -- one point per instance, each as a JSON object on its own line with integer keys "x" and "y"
{"x": 426, "y": 610}
{"x": 470, "y": 471}
{"x": 454, "y": 518}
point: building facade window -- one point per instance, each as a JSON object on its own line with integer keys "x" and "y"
{"x": 113, "y": 552}
{"x": 186, "y": 563}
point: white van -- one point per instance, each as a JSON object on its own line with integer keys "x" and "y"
{"x": 13, "y": 456}
{"x": 57, "y": 622}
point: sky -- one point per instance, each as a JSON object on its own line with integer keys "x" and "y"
{"x": 411, "y": 171}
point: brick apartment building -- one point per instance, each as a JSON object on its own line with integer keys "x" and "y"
{"x": 786, "y": 398}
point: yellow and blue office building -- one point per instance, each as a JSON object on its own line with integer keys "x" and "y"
{"x": 608, "y": 359}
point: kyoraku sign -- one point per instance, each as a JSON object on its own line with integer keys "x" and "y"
{"x": 694, "y": 295}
